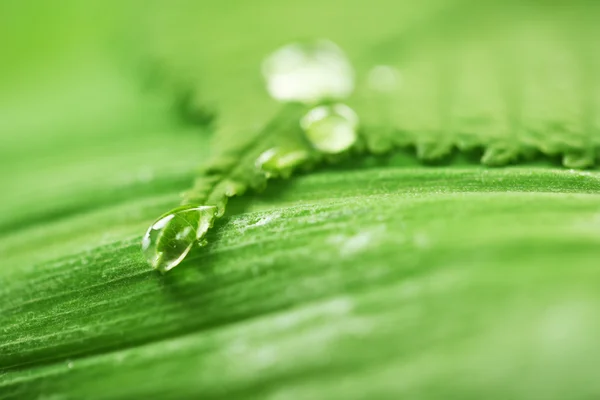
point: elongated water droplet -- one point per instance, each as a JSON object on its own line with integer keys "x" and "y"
{"x": 171, "y": 237}
{"x": 309, "y": 72}
{"x": 281, "y": 160}
{"x": 331, "y": 129}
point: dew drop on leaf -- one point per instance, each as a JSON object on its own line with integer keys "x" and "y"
{"x": 309, "y": 73}
{"x": 171, "y": 237}
{"x": 281, "y": 160}
{"x": 331, "y": 129}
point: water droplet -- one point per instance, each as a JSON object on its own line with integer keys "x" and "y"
{"x": 281, "y": 160}
{"x": 170, "y": 238}
{"x": 309, "y": 72}
{"x": 331, "y": 129}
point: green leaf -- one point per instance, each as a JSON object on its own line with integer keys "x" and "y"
{"x": 233, "y": 170}
{"x": 430, "y": 267}
{"x": 375, "y": 277}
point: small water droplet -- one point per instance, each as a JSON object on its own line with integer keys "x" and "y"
{"x": 171, "y": 237}
{"x": 233, "y": 188}
{"x": 281, "y": 160}
{"x": 309, "y": 72}
{"x": 331, "y": 129}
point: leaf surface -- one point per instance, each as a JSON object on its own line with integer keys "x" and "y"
{"x": 374, "y": 277}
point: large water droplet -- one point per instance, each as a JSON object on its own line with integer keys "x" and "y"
{"x": 309, "y": 72}
{"x": 331, "y": 129}
{"x": 281, "y": 160}
{"x": 169, "y": 240}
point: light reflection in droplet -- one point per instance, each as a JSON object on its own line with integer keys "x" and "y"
{"x": 281, "y": 161}
{"x": 168, "y": 241}
{"x": 331, "y": 129}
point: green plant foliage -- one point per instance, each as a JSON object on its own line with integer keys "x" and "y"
{"x": 234, "y": 170}
{"x": 516, "y": 83}
{"x": 386, "y": 270}
{"x": 363, "y": 276}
